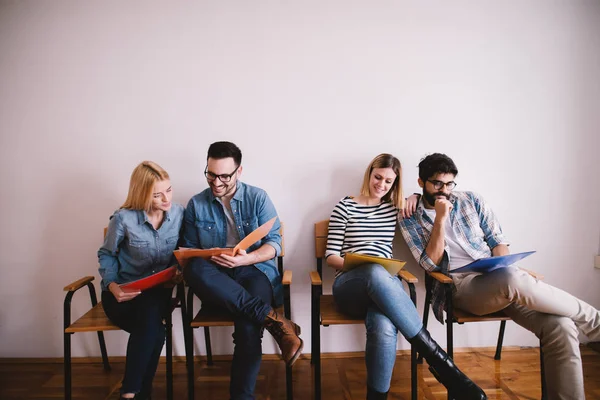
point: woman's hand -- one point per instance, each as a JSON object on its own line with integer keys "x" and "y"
{"x": 411, "y": 206}
{"x": 121, "y": 295}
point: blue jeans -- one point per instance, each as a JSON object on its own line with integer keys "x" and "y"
{"x": 142, "y": 317}
{"x": 246, "y": 294}
{"x": 369, "y": 291}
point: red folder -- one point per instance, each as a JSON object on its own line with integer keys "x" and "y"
{"x": 150, "y": 281}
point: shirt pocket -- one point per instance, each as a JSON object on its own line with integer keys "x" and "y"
{"x": 249, "y": 225}
{"x": 171, "y": 243}
{"x": 472, "y": 228}
{"x": 139, "y": 250}
{"x": 206, "y": 233}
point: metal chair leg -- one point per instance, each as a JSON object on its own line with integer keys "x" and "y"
{"x": 316, "y": 339}
{"x": 67, "y": 365}
{"x": 498, "y": 354}
{"x": 209, "y": 359}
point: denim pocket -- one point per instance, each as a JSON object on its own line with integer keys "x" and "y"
{"x": 172, "y": 243}
{"x": 139, "y": 249}
{"x": 249, "y": 225}
{"x": 206, "y": 234}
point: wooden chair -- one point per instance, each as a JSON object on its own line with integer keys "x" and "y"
{"x": 95, "y": 320}
{"x": 207, "y": 319}
{"x": 456, "y": 315}
{"x": 325, "y": 313}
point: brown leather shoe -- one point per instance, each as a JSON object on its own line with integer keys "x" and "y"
{"x": 285, "y": 333}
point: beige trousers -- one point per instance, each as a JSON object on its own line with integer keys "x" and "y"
{"x": 553, "y": 315}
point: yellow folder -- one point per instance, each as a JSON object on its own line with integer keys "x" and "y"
{"x": 353, "y": 260}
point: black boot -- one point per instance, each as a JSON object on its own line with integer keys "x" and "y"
{"x": 372, "y": 394}
{"x": 444, "y": 369}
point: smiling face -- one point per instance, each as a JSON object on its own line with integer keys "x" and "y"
{"x": 222, "y": 175}
{"x": 381, "y": 181}
{"x": 162, "y": 195}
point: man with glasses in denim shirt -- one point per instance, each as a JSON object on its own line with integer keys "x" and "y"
{"x": 451, "y": 229}
{"x": 247, "y": 285}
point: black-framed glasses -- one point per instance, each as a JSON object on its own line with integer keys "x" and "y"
{"x": 439, "y": 184}
{"x": 225, "y": 178}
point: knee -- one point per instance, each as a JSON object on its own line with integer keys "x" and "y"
{"x": 380, "y": 328}
{"x": 511, "y": 280}
{"x": 558, "y": 332}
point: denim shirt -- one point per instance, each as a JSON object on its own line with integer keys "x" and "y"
{"x": 205, "y": 226}
{"x": 133, "y": 249}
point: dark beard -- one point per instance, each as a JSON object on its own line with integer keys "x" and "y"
{"x": 430, "y": 198}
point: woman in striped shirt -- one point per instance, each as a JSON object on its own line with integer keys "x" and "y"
{"x": 366, "y": 224}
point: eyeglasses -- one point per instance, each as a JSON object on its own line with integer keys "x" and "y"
{"x": 439, "y": 184}
{"x": 225, "y": 178}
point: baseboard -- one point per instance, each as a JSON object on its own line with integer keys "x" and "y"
{"x": 227, "y": 357}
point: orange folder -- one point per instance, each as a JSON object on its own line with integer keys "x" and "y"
{"x": 151, "y": 281}
{"x": 183, "y": 255}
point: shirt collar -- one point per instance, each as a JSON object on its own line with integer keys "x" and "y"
{"x": 143, "y": 216}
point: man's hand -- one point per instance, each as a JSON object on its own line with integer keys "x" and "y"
{"x": 442, "y": 209}
{"x": 241, "y": 259}
{"x": 119, "y": 294}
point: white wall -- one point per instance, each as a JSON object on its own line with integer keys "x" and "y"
{"x": 310, "y": 91}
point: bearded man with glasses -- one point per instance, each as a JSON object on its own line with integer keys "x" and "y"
{"x": 247, "y": 285}
{"x": 451, "y": 229}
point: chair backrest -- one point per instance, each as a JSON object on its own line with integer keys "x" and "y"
{"x": 321, "y": 230}
{"x": 282, "y": 254}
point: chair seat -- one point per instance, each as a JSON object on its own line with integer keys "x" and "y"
{"x": 214, "y": 318}
{"x": 330, "y": 315}
{"x": 462, "y": 316}
{"x": 93, "y": 321}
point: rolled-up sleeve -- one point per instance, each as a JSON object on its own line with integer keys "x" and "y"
{"x": 416, "y": 244}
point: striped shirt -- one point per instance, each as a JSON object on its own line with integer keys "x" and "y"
{"x": 357, "y": 228}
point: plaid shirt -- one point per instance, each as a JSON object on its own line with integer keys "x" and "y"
{"x": 473, "y": 222}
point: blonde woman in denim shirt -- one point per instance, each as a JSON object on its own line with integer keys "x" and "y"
{"x": 140, "y": 241}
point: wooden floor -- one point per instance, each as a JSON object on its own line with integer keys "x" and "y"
{"x": 516, "y": 376}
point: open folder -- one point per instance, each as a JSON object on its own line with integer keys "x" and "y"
{"x": 151, "y": 281}
{"x": 391, "y": 265}
{"x": 490, "y": 264}
{"x": 183, "y": 255}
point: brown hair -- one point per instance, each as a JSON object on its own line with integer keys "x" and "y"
{"x": 141, "y": 185}
{"x": 385, "y": 161}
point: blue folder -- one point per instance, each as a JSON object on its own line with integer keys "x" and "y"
{"x": 492, "y": 263}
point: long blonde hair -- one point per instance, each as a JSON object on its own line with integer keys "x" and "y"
{"x": 395, "y": 193}
{"x": 141, "y": 185}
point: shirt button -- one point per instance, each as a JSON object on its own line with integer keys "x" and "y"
{"x": 239, "y": 227}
